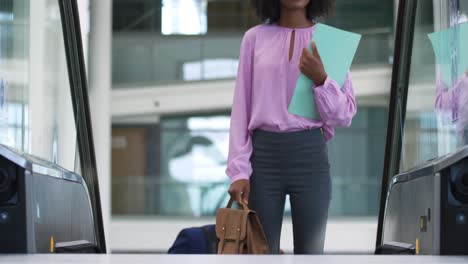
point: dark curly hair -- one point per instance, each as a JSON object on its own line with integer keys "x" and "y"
{"x": 269, "y": 11}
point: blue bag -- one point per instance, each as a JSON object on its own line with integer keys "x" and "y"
{"x": 196, "y": 240}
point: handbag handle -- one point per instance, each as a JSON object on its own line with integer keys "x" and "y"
{"x": 243, "y": 205}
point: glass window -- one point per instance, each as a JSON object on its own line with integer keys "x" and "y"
{"x": 436, "y": 113}
{"x": 167, "y": 41}
{"x": 181, "y": 17}
{"x": 350, "y": 14}
{"x": 177, "y": 167}
{"x": 374, "y": 20}
{"x": 36, "y": 114}
{"x": 194, "y": 154}
{"x": 136, "y": 16}
{"x": 230, "y": 16}
{"x": 356, "y": 157}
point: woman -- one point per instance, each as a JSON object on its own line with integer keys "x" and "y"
{"x": 273, "y": 153}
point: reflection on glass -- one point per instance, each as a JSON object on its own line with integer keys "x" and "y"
{"x": 194, "y": 155}
{"x": 200, "y": 154}
{"x": 451, "y": 51}
{"x": 452, "y": 103}
{"x": 436, "y": 114}
{"x": 210, "y": 69}
{"x": 83, "y": 12}
{"x": 184, "y": 17}
{"x": 36, "y": 114}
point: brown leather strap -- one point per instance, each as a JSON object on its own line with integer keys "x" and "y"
{"x": 238, "y": 241}
{"x": 222, "y": 241}
{"x": 243, "y": 205}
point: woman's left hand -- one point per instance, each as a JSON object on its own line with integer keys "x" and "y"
{"x": 312, "y": 66}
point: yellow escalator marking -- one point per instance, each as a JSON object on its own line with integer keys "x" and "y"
{"x": 52, "y": 244}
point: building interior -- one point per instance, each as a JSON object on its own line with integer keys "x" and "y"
{"x": 134, "y": 97}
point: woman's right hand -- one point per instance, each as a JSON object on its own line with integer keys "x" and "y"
{"x": 240, "y": 191}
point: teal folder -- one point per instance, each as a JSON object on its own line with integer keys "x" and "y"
{"x": 337, "y": 49}
{"x": 445, "y": 42}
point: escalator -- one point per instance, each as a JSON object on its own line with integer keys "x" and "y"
{"x": 424, "y": 205}
{"x": 49, "y": 193}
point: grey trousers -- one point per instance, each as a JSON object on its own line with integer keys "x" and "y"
{"x": 294, "y": 164}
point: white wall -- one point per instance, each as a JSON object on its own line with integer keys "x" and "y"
{"x": 99, "y": 94}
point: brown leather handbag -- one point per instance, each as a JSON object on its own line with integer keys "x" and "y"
{"x": 239, "y": 231}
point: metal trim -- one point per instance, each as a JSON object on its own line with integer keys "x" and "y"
{"x": 397, "y": 106}
{"x": 14, "y": 156}
{"x": 39, "y": 169}
{"x": 37, "y": 165}
{"x": 436, "y": 214}
{"x": 430, "y": 168}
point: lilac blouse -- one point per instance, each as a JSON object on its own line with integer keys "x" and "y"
{"x": 265, "y": 84}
